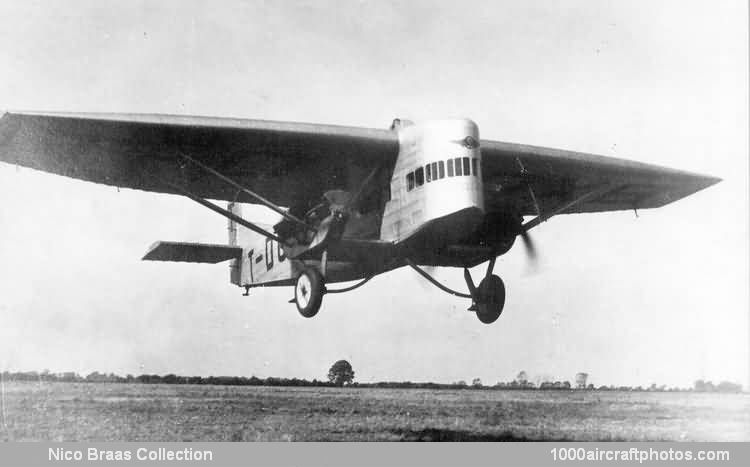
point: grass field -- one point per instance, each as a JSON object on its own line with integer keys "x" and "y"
{"x": 139, "y": 412}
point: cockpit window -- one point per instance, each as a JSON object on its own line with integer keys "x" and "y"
{"x": 459, "y": 166}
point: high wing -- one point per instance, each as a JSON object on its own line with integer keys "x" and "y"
{"x": 287, "y": 162}
{"x": 290, "y": 163}
{"x": 534, "y": 180}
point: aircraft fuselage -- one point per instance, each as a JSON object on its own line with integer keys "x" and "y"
{"x": 433, "y": 214}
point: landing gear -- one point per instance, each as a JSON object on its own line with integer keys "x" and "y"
{"x": 490, "y": 299}
{"x": 487, "y": 300}
{"x": 308, "y": 292}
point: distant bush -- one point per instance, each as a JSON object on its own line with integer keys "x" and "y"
{"x": 724, "y": 386}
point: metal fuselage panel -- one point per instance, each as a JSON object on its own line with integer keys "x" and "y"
{"x": 263, "y": 261}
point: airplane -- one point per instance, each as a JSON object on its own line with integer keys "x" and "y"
{"x": 353, "y": 202}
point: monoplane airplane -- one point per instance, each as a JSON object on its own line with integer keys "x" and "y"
{"x": 353, "y": 202}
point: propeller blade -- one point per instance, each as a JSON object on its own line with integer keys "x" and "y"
{"x": 528, "y": 243}
{"x": 531, "y": 251}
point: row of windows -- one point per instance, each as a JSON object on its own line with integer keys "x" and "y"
{"x": 459, "y": 166}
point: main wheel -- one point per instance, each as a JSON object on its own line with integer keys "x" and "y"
{"x": 491, "y": 299}
{"x": 308, "y": 292}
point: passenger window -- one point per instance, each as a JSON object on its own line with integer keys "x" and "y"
{"x": 258, "y": 259}
{"x": 458, "y": 166}
{"x": 475, "y": 166}
{"x": 450, "y": 167}
{"x": 419, "y": 176}
{"x": 467, "y": 170}
{"x": 429, "y": 172}
{"x": 441, "y": 169}
{"x": 269, "y": 254}
{"x": 280, "y": 253}
{"x": 410, "y": 181}
{"x": 434, "y": 166}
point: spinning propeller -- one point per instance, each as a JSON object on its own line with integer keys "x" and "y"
{"x": 528, "y": 243}
{"x": 530, "y": 247}
{"x": 531, "y": 252}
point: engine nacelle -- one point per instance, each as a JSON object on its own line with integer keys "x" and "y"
{"x": 437, "y": 181}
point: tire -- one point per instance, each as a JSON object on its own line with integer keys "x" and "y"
{"x": 491, "y": 301}
{"x": 308, "y": 292}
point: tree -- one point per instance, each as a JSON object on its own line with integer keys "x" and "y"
{"x": 341, "y": 373}
{"x": 522, "y": 378}
{"x": 477, "y": 383}
{"x": 581, "y": 380}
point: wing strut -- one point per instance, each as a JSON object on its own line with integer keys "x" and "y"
{"x": 567, "y": 205}
{"x": 254, "y": 195}
{"x": 228, "y": 214}
{"x": 525, "y": 181}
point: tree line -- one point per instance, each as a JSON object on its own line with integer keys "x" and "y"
{"x": 334, "y": 381}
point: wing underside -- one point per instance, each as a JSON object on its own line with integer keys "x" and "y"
{"x": 532, "y": 180}
{"x": 286, "y": 162}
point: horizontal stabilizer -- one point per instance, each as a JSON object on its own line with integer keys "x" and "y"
{"x": 191, "y": 252}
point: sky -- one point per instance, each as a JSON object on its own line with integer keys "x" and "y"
{"x": 660, "y": 298}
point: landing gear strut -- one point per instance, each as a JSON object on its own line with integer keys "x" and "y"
{"x": 308, "y": 292}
